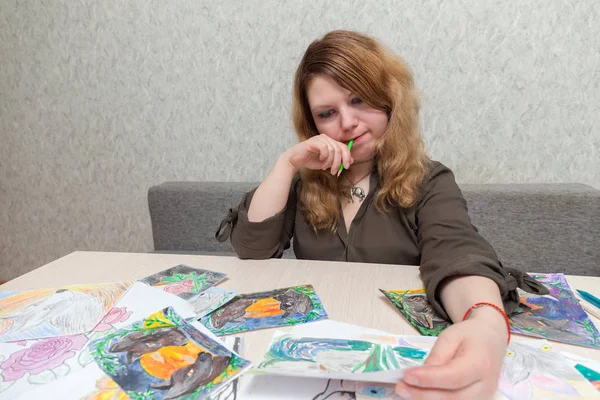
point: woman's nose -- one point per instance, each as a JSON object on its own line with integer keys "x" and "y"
{"x": 349, "y": 120}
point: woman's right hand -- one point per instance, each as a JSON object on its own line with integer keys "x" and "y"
{"x": 319, "y": 152}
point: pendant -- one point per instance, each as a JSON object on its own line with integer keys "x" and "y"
{"x": 355, "y": 191}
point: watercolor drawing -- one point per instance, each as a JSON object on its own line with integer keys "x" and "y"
{"x": 288, "y": 306}
{"x": 68, "y": 310}
{"x": 27, "y": 364}
{"x": 107, "y": 389}
{"x": 535, "y": 371}
{"x": 416, "y": 309}
{"x": 184, "y": 281}
{"x": 338, "y": 358}
{"x": 165, "y": 357}
{"x": 557, "y": 316}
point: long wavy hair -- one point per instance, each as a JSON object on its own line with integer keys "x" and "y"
{"x": 382, "y": 80}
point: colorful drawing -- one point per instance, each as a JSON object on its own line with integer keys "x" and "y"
{"x": 107, "y": 389}
{"x": 416, "y": 309}
{"x": 184, "y": 281}
{"x": 337, "y": 358}
{"x": 535, "y": 371}
{"x": 288, "y": 306}
{"x": 165, "y": 357}
{"x": 37, "y": 361}
{"x": 557, "y": 316}
{"x": 68, "y": 310}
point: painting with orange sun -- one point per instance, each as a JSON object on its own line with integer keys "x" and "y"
{"x": 166, "y": 357}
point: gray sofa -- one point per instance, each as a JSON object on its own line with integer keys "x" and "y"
{"x": 534, "y": 227}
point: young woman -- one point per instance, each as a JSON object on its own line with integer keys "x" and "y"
{"x": 391, "y": 204}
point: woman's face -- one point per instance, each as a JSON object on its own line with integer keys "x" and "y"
{"x": 343, "y": 116}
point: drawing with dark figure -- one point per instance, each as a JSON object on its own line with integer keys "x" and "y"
{"x": 288, "y": 306}
{"x": 165, "y": 357}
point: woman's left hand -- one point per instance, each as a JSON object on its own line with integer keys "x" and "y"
{"x": 464, "y": 364}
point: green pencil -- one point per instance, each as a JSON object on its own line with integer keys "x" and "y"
{"x": 350, "y": 143}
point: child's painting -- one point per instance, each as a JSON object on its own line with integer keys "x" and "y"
{"x": 416, "y": 309}
{"x": 184, "y": 281}
{"x": 62, "y": 311}
{"x": 246, "y": 312}
{"x": 357, "y": 360}
{"x": 165, "y": 357}
{"x": 27, "y": 364}
{"x": 557, "y": 316}
{"x": 534, "y": 371}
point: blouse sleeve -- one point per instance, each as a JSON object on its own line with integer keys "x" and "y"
{"x": 451, "y": 246}
{"x": 259, "y": 240}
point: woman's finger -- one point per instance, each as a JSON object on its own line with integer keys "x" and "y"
{"x": 337, "y": 160}
{"x": 330, "y": 155}
{"x": 466, "y": 368}
{"x": 320, "y": 148}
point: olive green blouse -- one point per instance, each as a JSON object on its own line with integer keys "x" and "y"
{"x": 436, "y": 234}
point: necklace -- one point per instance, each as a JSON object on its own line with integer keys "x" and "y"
{"x": 355, "y": 190}
{"x": 362, "y": 162}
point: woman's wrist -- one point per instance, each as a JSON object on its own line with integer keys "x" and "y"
{"x": 284, "y": 162}
{"x": 490, "y": 316}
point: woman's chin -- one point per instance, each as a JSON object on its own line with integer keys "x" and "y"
{"x": 363, "y": 153}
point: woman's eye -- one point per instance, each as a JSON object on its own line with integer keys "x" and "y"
{"x": 326, "y": 114}
{"x": 356, "y": 100}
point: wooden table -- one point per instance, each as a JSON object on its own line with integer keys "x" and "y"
{"x": 349, "y": 291}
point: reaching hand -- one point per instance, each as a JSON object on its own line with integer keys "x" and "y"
{"x": 319, "y": 152}
{"x": 464, "y": 364}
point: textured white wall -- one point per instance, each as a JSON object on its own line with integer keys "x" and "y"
{"x": 99, "y": 100}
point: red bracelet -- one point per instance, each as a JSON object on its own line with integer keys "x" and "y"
{"x": 483, "y": 303}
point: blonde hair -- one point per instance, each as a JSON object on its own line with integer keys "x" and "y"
{"x": 382, "y": 80}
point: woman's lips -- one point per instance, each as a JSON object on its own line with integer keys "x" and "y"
{"x": 359, "y": 138}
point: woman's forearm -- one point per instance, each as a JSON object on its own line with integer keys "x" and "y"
{"x": 272, "y": 194}
{"x": 458, "y": 294}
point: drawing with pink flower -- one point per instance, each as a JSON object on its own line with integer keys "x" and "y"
{"x": 116, "y": 314}
{"x": 179, "y": 287}
{"x": 42, "y": 356}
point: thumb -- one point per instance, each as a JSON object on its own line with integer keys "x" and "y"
{"x": 444, "y": 348}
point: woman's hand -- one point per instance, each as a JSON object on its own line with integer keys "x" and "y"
{"x": 465, "y": 362}
{"x": 319, "y": 152}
